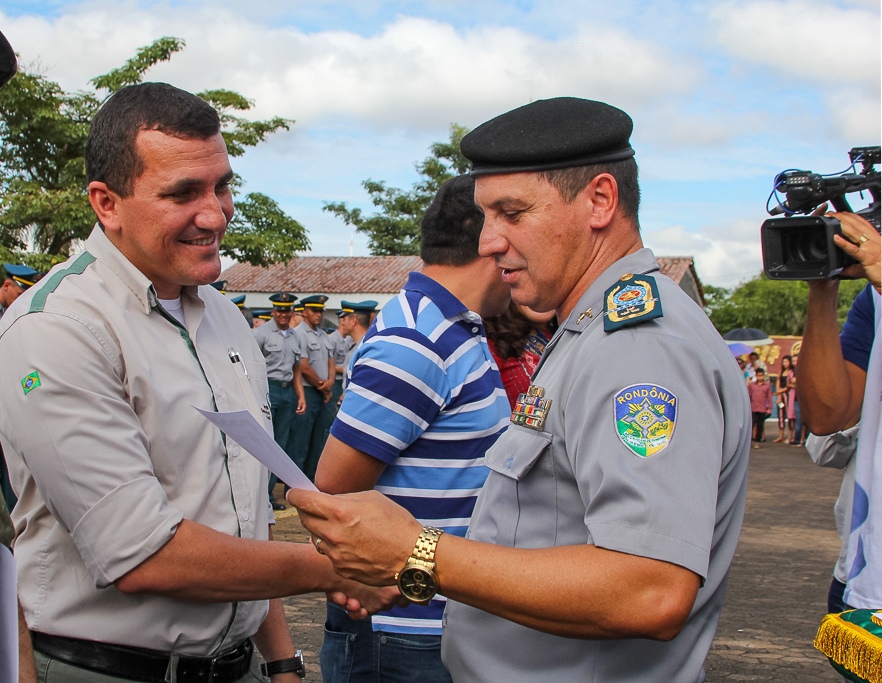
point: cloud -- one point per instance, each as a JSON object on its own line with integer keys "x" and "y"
{"x": 811, "y": 41}
{"x": 414, "y": 71}
{"x": 724, "y": 254}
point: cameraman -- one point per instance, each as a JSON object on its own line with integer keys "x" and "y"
{"x": 840, "y": 383}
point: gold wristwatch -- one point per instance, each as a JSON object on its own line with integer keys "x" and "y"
{"x": 417, "y": 581}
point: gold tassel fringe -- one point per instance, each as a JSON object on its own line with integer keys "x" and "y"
{"x": 851, "y": 647}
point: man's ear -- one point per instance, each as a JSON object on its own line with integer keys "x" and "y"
{"x": 104, "y": 202}
{"x": 601, "y": 198}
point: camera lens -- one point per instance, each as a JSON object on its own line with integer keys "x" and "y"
{"x": 807, "y": 246}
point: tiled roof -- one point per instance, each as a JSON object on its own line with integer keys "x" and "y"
{"x": 367, "y": 274}
{"x": 325, "y": 274}
{"x": 679, "y": 268}
{"x": 675, "y": 267}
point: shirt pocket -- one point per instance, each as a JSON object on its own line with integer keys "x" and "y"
{"x": 517, "y": 450}
{"x": 521, "y": 506}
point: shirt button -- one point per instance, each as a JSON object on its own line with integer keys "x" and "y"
{"x": 246, "y": 516}
{"x": 475, "y": 330}
{"x": 509, "y": 463}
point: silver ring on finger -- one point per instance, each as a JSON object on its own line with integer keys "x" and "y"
{"x": 318, "y": 548}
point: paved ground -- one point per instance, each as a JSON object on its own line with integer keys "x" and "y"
{"x": 777, "y": 589}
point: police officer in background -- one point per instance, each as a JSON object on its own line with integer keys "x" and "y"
{"x": 17, "y": 280}
{"x": 615, "y": 498}
{"x": 355, "y": 320}
{"x": 341, "y": 344}
{"x": 281, "y": 349}
{"x": 319, "y": 370}
{"x": 246, "y": 312}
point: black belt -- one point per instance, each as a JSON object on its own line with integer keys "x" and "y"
{"x": 279, "y": 383}
{"x": 138, "y": 664}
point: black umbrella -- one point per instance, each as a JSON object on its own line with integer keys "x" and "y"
{"x": 8, "y": 64}
{"x": 748, "y": 335}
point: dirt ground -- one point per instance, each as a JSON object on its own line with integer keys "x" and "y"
{"x": 777, "y": 587}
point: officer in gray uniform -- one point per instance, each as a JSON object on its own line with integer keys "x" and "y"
{"x": 280, "y": 347}
{"x": 601, "y": 542}
{"x": 310, "y": 430}
{"x": 341, "y": 344}
{"x": 16, "y": 281}
{"x": 355, "y": 319}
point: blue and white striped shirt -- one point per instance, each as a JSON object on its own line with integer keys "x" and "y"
{"x": 425, "y": 397}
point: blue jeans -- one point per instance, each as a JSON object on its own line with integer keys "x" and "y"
{"x": 798, "y": 435}
{"x": 354, "y": 653}
{"x": 836, "y": 597}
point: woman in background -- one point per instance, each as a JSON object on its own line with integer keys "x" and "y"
{"x": 517, "y": 339}
{"x": 785, "y": 393}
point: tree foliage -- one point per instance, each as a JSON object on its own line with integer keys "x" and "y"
{"x": 777, "y": 307}
{"x": 44, "y": 208}
{"x": 394, "y": 229}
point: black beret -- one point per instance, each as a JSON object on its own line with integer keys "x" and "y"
{"x": 558, "y": 133}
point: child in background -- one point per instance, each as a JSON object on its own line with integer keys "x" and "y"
{"x": 760, "y": 393}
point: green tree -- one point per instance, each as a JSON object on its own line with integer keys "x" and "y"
{"x": 395, "y": 228}
{"x": 43, "y": 201}
{"x": 777, "y": 307}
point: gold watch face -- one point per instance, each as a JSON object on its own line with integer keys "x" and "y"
{"x": 417, "y": 584}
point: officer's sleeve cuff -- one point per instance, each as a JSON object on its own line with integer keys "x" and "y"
{"x": 644, "y": 543}
{"x": 124, "y": 528}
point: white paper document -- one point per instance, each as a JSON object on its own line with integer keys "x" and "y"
{"x": 241, "y": 427}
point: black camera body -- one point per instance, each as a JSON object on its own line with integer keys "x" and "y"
{"x": 801, "y": 247}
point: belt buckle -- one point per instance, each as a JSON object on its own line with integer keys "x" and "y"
{"x": 230, "y": 658}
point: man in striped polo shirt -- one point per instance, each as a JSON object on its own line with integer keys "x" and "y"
{"x": 423, "y": 403}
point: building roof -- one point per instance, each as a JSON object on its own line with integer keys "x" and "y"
{"x": 325, "y": 274}
{"x": 383, "y": 275}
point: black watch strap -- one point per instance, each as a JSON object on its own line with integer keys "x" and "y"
{"x": 282, "y": 666}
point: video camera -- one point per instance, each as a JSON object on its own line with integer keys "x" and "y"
{"x": 802, "y": 247}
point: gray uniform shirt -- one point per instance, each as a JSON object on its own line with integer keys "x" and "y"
{"x": 107, "y": 455}
{"x": 576, "y": 481}
{"x": 281, "y": 351}
{"x": 315, "y": 345}
{"x": 341, "y": 346}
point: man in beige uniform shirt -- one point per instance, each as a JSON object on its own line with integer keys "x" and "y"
{"x": 142, "y": 531}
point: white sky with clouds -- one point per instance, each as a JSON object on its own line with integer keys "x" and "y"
{"x": 723, "y": 94}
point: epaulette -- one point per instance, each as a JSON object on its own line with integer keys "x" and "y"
{"x": 632, "y": 300}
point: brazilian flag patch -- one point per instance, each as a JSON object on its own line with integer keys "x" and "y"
{"x": 30, "y": 382}
{"x": 646, "y": 415}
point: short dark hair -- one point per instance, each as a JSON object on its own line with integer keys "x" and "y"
{"x": 111, "y": 155}
{"x": 451, "y": 226}
{"x": 569, "y": 182}
{"x": 364, "y": 319}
